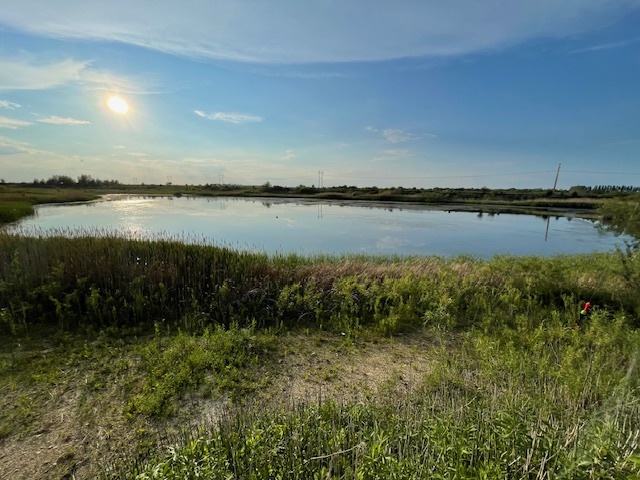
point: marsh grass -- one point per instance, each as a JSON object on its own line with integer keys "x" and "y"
{"x": 559, "y": 403}
{"x": 16, "y": 203}
{"x": 529, "y": 389}
{"x": 90, "y": 282}
{"x": 11, "y": 211}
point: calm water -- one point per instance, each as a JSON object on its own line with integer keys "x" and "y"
{"x": 308, "y": 227}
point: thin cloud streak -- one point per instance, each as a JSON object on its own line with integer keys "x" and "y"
{"x": 26, "y": 73}
{"x": 316, "y": 32}
{"x": 398, "y": 136}
{"x": 393, "y": 155}
{"x": 229, "y": 117}
{"x": 13, "y": 124}
{"x": 9, "y": 105}
{"x": 20, "y": 74}
{"x": 55, "y": 120}
{"x": 606, "y": 46}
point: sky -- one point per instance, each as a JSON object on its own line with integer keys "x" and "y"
{"x": 412, "y": 93}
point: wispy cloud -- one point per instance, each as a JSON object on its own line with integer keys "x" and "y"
{"x": 28, "y": 73}
{"x": 230, "y": 117}
{"x": 398, "y": 136}
{"x": 319, "y": 32}
{"x": 9, "y": 105}
{"x": 607, "y": 46}
{"x": 55, "y": 120}
{"x": 398, "y": 153}
{"x": 137, "y": 154}
{"x": 392, "y": 155}
{"x": 289, "y": 155}
{"x": 12, "y": 123}
{"x": 279, "y": 71}
{"x": 20, "y": 74}
{"x": 10, "y": 145}
{"x": 93, "y": 79}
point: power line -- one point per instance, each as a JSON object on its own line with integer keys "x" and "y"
{"x": 457, "y": 176}
{"x": 321, "y": 175}
{"x": 602, "y": 173}
{"x": 516, "y": 174}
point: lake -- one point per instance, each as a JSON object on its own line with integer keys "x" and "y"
{"x": 332, "y": 227}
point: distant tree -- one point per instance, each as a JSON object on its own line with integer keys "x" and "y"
{"x": 62, "y": 180}
{"x": 86, "y": 181}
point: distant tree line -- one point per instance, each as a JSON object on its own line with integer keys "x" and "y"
{"x": 606, "y": 189}
{"x": 87, "y": 181}
{"x": 616, "y": 188}
{"x": 82, "y": 181}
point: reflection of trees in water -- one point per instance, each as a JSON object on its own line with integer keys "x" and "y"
{"x": 622, "y": 217}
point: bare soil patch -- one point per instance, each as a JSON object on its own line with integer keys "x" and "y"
{"x": 74, "y": 430}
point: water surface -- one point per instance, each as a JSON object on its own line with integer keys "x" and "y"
{"x": 310, "y": 227}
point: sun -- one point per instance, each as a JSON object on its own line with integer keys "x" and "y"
{"x": 117, "y": 104}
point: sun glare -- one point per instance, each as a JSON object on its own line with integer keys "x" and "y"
{"x": 117, "y": 104}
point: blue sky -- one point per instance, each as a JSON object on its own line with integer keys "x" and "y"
{"x": 413, "y": 93}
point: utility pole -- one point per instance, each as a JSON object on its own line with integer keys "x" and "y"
{"x": 320, "y": 178}
{"x": 557, "y": 175}
{"x": 555, "y": 184}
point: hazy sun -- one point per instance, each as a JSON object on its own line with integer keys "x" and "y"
{"x": 117, "y": 104}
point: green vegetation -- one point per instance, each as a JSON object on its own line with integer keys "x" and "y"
{"x": 10, "y": 211}
{"x": 97, "y": 282}
{"x": 181, "y": 363}
{"x": 554, "y": 403}
{"x": 121, "y": 342}
{"x": 621, "y": 215}
{"x": 18, "y": 202}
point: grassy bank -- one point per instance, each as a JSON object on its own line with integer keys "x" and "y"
{"x": 489, "y": 370}
{"x": 18, "y": 202}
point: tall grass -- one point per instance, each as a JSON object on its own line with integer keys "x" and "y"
{"x": 531, "y": 389}
{"x": 555, "y": 403}
{"x": 98, "y": 282}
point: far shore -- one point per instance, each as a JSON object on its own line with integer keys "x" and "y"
{"x": 17, "y": 200}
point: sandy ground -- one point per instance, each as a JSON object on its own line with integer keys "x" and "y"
{"x": 75, "y": 434}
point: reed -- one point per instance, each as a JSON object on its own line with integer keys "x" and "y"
{"x": 75, "y": 279}
{"x": 529, "y": 388}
